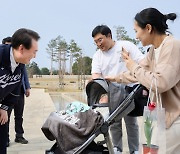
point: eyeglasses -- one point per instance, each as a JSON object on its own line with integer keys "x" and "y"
{"x": 99, "y": 41}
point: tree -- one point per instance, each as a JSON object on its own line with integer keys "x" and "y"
{"x": 45, "y": 71}
{"x": 75, "y": 68}
{"x": 33, "y": 69}
{"x": 121, "y": 34}
{"x": 55, "y": 72}
{"x": 51, "y": 50}
{"x": 76, "y": 55}
{"x": 62, "y": 50}
{"x": 74, "y": 52}
{"x": 86, "y": 65}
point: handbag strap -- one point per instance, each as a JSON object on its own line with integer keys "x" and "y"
{"x": 150, "y": 91}
{"x": 158, "y": 97}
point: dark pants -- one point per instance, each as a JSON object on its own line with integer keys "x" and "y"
{"x": 132, "y": 130}
{"x": 18, "y": 115}
{"x": 3, "y": 138}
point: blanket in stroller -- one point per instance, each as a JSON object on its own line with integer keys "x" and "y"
{"x": 71, "y": 130}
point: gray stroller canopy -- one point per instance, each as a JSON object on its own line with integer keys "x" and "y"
{"x": 116, "y": 93}
{"x": 95, "y": 89}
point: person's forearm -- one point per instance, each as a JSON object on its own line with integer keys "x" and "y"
{"x": 125, "y": 77}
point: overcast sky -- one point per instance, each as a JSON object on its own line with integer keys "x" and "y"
{"x": 75, "y": 19}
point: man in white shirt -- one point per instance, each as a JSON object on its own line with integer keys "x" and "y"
{"x": 108, "y": 61}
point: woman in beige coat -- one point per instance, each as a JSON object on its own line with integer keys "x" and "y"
{"x": 162, "y": 62}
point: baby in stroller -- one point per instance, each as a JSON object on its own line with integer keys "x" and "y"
{"x": 103, "y": 98}
{"x": 78, "y": 137}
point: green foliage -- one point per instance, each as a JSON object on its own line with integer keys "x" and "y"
{"x": 75, "y": 68}
{"x": 55, "y": 72}
{"x": 45, "y": 71}
{"x": 74, "y": 48}
{"x": 87, "y": 65}
{"x": 82, "y": 65}
{"x": 148, "y": 128}
{"x": 121, "y": 34}
{"x": 33, "y": 69}
{"x": 74, "y": 53}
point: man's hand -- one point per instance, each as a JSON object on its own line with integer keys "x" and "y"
{"x": 110, "y": 78}
{"x": 127, "y": 59}
{"x": 3, "y": 116}
{"x": 27, "y": 92}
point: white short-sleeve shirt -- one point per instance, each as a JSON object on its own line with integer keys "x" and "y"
{"x": 110, "y": 62}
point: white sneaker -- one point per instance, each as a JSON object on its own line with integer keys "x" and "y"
{"x": 136, "y": 152}
{"x": 116, "y": 151}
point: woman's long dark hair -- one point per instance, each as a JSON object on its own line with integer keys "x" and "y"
{"x": 155, "y": 18}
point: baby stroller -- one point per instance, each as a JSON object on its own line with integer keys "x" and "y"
{"x": 119, "y": 103}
